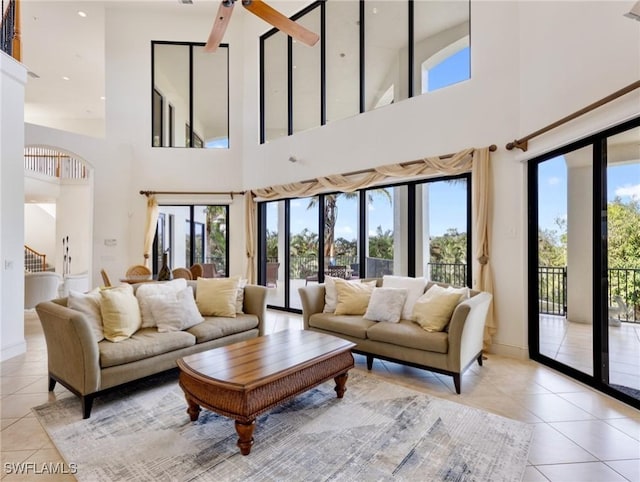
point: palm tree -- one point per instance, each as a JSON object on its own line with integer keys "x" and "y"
{"x": 331, "y": 214}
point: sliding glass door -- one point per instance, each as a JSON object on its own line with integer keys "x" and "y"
{"x": 584, "y": 260}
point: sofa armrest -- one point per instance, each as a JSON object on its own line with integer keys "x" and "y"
{"x": 466, "y": 330}
{"x": 312, "y": 298}
{"x": 255, "y": 303}
{"x": 72, "y": 352}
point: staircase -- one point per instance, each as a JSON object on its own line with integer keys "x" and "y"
{"x": 34, "y": 261}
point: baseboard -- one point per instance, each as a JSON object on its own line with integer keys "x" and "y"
{"x": 510, "y": 351}
{"x": 13, "y": 350}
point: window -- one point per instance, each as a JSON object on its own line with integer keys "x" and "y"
{"x": 418, "y": 228}
{"x": 371, "y": 54}
{"x": 198, "y": 235}
{"x": 195, "y": 87}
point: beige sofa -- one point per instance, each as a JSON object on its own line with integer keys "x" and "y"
{"x": 449, "y": 352}
{"x": 88, "y": 368}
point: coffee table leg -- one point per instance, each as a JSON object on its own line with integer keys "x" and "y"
{"x": 193, "y": 410}
{"x": 245, "y": 434}
{"x": 341, "y": 382}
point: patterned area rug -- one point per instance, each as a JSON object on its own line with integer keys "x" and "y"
{"x": 378, "y": 431}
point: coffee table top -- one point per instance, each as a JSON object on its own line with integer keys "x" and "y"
{"x": 258, "y": 361}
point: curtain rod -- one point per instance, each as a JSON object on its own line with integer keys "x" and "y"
{"x": 203, "y": 193}
{"x": 523, "y": 143}
{"x": 492, "y": 148}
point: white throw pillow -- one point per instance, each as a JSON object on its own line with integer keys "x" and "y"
{"x": 240, "y": 297}
{"x": 176, "y": 311}
{"x": 415, "y": 289}
{"x": 145, "y": 295}
{"x": 463, "y": 292}
{"x": 386, "y": 304}
{"x": 89, "y": 305}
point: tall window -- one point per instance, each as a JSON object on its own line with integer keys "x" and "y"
{"x": 412, "y": 229}
{"x": 199, "y": 234}
{"x": 371, "y": 54}
{"x": 190, "y": 89}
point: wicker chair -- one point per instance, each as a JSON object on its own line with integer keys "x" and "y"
{"x": 105, "y": 278}
{"x": 272, "y": 274}
{"x": 204, "y": 270}
{"x": 182, "y": 273}
{"x": 138, "y": 271}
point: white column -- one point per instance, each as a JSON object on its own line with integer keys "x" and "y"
{"x": 400, "y": 231}
{"x": 422, "y": 230}
{"x": 579, "y": 238}
{"x": 12, "y": 81}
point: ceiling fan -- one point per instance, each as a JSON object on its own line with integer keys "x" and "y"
{"x": 265, "y": 12}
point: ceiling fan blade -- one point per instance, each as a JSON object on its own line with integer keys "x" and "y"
{"x": 279, "y": 21}
{"x": 219, "y": 25}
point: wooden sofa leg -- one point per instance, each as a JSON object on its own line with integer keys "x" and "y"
{"x": 52, "y": 384}
{"x": 87, "y": 403}
{"x": 480, "y": 359}
{"x": 456, "y": 382}
{"x": 369, "y": 362}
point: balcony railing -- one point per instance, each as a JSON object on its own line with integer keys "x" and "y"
{"x": 10, "y": 42}
{"x": 51, "y": 162}
{"x": 451, "y": 273}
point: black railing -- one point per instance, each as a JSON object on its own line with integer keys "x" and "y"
{"x": 8, "y": 27}
{"x": 552, "y": 290}
{"x": 452, "y": 273}
{"x": 624, "y": 285}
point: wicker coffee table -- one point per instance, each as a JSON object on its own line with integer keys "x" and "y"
{"x": 245, "y": 379}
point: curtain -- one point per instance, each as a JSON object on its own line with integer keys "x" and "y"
{"x": 250, "y": 236}
{"x": 150, "y": 228}
{"x": 475, "y": 160}
{"x": 482, "y": 221}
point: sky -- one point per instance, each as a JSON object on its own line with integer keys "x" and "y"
{"x": 622, "y": 181}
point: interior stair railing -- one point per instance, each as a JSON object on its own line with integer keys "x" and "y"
{"x": 54, "y": 163}
{"x": 10, "y": 31}
{"x": 34, "y": 261}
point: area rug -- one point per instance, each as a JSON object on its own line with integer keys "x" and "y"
{"x": 378, "y": 431}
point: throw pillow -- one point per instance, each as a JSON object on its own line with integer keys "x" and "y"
{"x": 463, "y": 292}
{"x": 176, "y": 311}
{"x": 386, "y": 304}
{"x": 120, "y": 312}
{"x": 89, "y": 305}
{"x": 217, "y": 296}
{"x": 240, "y": 297}
{"x": 331, "y": 294}
{"x": 146, "y": 293}
{"x": 353, "y": 298}
{"x": 433, "y": 310}
{"x": 414, "y": 287}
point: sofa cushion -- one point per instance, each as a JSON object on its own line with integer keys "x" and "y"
{"x": 433, "y": 310}
{"x": 217, "y": 296}
{"x": 414, "y": 286}
{"x": 351, "y": 325}
{"x": 89, "y": 305}
{"x": 144, "y": 343}
{"x": 217, "y": 327}
{"x": 176, "y": 311}
{"x": 386, "y": 304}
{"x": 146, "y": 294}
{"x": 407, "y": 334}
{"x": 120, "y": 312}
{"x": 353, "y": 298}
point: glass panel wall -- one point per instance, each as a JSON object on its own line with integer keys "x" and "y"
{"x": 190, "y": 105}
{"x": 386, "y": 55}
{"x": 275, "y": 241}
{"x": 306, "y": 77}
{"x": 342, "y": 59}
{"x": 386, "y": 226}
{"x": 275, "y": 86}
{"x": 303, "y": 245}
{"x": 193, "y": 234}
{"x": 441, "y": 51}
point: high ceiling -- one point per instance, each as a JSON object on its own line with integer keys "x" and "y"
{"x": 59, "y": 44}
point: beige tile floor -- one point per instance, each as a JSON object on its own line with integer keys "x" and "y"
{"x": 580, "y": 435}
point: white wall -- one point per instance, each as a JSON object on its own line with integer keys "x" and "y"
{"x": 75, "y": 221}
{"x": 40, "y": 230}
{"x": 532, "y": 62}
{"x": 13, "y": 77}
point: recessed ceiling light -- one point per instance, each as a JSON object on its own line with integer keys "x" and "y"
{"x": 82, "y": 14}
{"x": 375, "y": 10}
{"x": 64, "y": 77}
{"x": 102, "y": 97}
